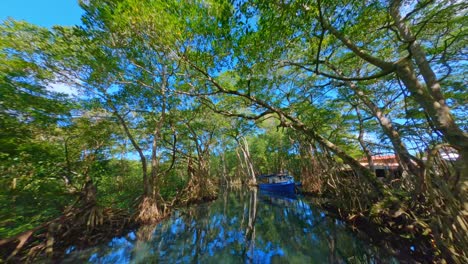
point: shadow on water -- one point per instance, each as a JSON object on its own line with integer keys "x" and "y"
{"x": 241, "y": 226}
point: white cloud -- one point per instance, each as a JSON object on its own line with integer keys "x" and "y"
{"x": 62, "y": 88}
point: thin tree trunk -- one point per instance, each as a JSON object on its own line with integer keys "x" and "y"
{"x": 241, "y": 162}
{"x": 152, "y": 188}
{"x": 135, "y": 145}
{"x": 68, "y": 180}
{"x": 364, "y": 147}
{"x": 223, "y": 161}
{"x": 248, "y": 160}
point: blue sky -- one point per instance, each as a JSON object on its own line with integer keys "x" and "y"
{"x": 42, "y": 12}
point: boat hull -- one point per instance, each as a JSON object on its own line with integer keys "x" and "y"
{"x": 284, "y": 187}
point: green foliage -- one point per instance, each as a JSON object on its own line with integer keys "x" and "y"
{"x": 119, "y": 184}
{"x": 181, "y": 84}
{"x": 33, "y": 193}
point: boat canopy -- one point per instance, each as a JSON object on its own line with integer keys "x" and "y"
{"x": 263, "y": 176}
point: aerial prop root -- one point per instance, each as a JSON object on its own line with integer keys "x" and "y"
{"x": 77, "y": 227}
{"x": 150, "y": 211}
{"x": 198, "y": 190}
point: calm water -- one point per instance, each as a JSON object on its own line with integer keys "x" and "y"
{"x": 240, "y": 227}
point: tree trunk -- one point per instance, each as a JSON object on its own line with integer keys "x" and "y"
{"x": 404, "y": 157}
{"x": 364, "y": 147}
{"x": 248, "y": 161}
{"x": 355, "y": 165}
{"x": 152, "y": 189}
{"x": 148, "y": 209}
{"x": 430, "y": 97}
{"x": 243, "y": 168}
{"x": 441, "y": 118}
{"x": 135, "y": 145}
{"x": 224, "y": 169}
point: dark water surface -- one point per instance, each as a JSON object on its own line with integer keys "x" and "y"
{"x": 240, "y": 227}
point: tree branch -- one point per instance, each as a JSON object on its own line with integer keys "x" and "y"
{"x": 384, "y": 65}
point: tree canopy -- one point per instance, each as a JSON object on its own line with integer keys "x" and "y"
{"x": 182, "y": 96}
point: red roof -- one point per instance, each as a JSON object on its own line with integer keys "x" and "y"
{"x": 383, "y": 160}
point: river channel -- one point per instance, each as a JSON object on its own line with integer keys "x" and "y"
{"x": 241, "y": 226}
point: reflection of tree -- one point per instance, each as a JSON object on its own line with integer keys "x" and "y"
{"x": 331, "y": 239}
{"x": 250, "y": 230}
{"x": 201, "y": 216}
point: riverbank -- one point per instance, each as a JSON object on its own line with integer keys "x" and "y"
{"x": 408, "y": 250}
{"x": 242, "y": 225}
{"x": 243, "y": 220}
{"x": 76, "y": 228}
{"x": 389, "y": 228}
{"x": 81, "y": 235}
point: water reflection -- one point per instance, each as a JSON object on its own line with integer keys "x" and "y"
{"x": 241, "y": 226}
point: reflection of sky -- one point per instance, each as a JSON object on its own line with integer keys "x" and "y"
{"x": 265, "y": 255}
{"x": 178, "y": 226}
{"x": 284, "y": 229}
{"x": 121, "y": 253}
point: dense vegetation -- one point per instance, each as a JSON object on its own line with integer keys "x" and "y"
{"x": 174, "y": 98}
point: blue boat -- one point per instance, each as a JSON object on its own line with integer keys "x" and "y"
{"x": 279, "y": 183}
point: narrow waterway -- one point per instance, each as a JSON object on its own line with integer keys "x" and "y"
{"x": 241, "y": 226}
